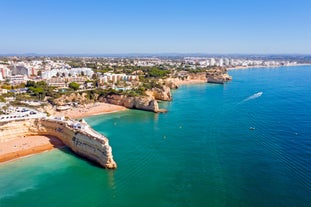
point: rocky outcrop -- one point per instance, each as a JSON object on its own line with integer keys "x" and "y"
{"x": 140, "y": 102}
{"x": 79, "y": 138}
{"x": 171, "y": 84}
{"x": 163, "y": 93}
{"x": 80, "y": 98}
{"x": 197, "y": 76}
{"x": 217, "y": 75}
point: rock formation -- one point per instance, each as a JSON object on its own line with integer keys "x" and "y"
{"x": 217, "y": 75}
{"x": 171, "y": 84}
{"x": 139, "y": 102}
{"x": 80, "y": 98}
{"x": 197, "y": 76}
{"x": 163, "y": 93}
{"x": 79, "y": 137}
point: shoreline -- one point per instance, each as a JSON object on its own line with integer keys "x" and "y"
{"x": 261, "y": 66}
{"x": 25, "y": 146}
{"x": 88, "y": 110}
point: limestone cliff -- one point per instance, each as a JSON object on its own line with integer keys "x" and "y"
{"x": 80, "y": 98}
{"x": 171, "y": 84}
{"x": 140, "y": 102}
{"x": 163, "y": 93}
{"x": 197, "y": 76}
{"x": 217, "y": 75}
{"x": 85, "y": 142}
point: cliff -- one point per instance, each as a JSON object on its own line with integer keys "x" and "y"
{"x": 217, "y": 75}
{"x": 139, "y": 102}
{"x": 163, "y": 93}
{"x": 79, "y": 137}
{"x": 171, "y": 83}
{"x": 80, "y": 98}
{"x": 197, "y": 76}
{"x": 185, "y": 78}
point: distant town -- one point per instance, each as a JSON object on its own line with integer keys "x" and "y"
{"x": 58, "y": 71}
{"x": 34, "y": 80}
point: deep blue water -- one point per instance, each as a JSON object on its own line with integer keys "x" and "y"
{"x": 201, "y": 153}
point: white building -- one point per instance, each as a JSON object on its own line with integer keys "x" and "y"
{"x": 226, "y": 61}
{"x": 221, "y": 62}
{"x": 74, "y": 72}
{"x": 17, "y": 79}
{"x": 212, "y": 62}
{"x": 117, "y": 77}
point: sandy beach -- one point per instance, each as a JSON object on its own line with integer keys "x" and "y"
{"x": 89, "y": 110}
{"x": 27, "y": 145}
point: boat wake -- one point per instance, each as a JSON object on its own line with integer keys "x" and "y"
{"x": 256, "y": 95}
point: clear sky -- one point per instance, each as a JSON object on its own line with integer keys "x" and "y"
{"x": 155, "y": 26}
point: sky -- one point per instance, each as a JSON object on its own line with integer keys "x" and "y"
{"x": 155, "y": 26}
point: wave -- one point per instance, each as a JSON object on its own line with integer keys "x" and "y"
{"x": 254, "y": 96}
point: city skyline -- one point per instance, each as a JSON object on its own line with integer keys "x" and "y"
{"x": 155, "y": 27}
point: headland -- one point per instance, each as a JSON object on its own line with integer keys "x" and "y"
{"x": 19, "y": 137}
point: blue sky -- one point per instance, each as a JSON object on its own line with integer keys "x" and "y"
{"x": 155, "y": 26}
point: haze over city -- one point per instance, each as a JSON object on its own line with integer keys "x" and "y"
{"x": 114, "y": 27}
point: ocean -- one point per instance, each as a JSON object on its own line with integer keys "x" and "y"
{"x": 244, "y": 143}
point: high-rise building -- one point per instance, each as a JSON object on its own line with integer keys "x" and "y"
{"x": 226, "y": 61}
{"x": 221, "y": 62}
{"x": 212, "y": 62}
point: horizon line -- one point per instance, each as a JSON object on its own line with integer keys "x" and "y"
{"x": 153, "y": 54}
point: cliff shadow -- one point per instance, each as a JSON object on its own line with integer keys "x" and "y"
{"x": 70, "y": 152}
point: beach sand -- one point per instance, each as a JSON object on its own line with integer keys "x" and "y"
{"x": 27, "y": 145}
{"x": 89, "y": 110}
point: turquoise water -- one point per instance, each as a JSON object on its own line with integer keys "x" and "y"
{"x": 201, "y": 153}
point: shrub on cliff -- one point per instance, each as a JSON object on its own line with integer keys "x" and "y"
{"x": 73, "y": 85}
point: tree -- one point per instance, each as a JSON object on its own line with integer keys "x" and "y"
{"x": 94, "y": 76}
{"x": 30, "y": 83}
{"x": 38, "y": 92}
{"x": 2, "y": 99}
{"x": 73, "y": 85}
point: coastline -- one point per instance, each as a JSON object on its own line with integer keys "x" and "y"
{"x": 30, "y": 145}
{"x": 26, "y": 146}
{"x": 261, "y": 66}
{"x": 89, "y": 110}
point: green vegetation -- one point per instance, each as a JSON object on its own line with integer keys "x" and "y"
{"x": 156, "y": 72}
{"x": 39, "y": 90}
{"x": 73, "y": 85}
{"x": 2, "y": 99}
{"x": 90, "y": 95}
{"x": 76, "y": 64}
{"x": 9, "y": 86}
